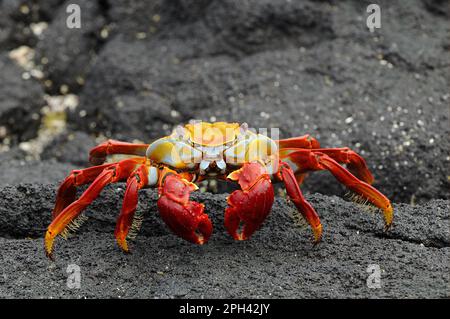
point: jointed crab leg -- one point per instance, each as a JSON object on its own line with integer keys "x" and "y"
{"x": 110, "y": 174}
{"x": 305, "y": 141}
{"x": 296, "y": 196}
{"x": 135, "y": 182}
{"x": 315, "y": 160}
{"x": 99, "y": 153}
{"x": 355, "y": 163}
{"x": 67, "y": 191}
{"x": 359, "y": 187}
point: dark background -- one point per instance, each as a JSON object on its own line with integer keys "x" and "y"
{"x": 137, "y": 68}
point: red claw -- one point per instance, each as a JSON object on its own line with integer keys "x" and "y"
{"x": 250, "y": 206}
{"x": 184, "y": 217}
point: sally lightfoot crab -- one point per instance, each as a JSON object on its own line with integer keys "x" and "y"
{"x": 201, "y": 150}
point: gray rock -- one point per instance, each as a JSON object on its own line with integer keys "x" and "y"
{"x": 17, "y": 16}
{"x": 14, "y": 25}
{"x": 70, "y": 147}
{"x": 278, "y": 261}
{"x": 69, "y": 53}
{"x": 14, "y": 170}
{"x": 20, "y": 103}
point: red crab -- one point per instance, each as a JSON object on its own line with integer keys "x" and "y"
{"x": 201, "y": 150}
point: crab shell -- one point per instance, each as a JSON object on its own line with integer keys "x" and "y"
{"x": 214, "y": 148}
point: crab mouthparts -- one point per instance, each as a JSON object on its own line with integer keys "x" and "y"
{"x": 206, "y": 165}
{"x": 212, "y": 161}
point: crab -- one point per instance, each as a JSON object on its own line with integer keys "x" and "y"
{"x": 200, "y": 150}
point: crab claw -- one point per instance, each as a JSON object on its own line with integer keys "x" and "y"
{"x": 249, "y": 207}
{"x": 184, "y": 217}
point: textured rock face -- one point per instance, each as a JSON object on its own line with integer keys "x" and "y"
{"x": 140, "y": 67}
{"x": 69, "y": 53}
{"x": 20, "y": 103}
{"x": 278, "y": 261}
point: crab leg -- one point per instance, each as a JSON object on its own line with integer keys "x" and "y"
{"x": 98, "y": 154}
{"x": 315, "y": 160}
{"x": 67, "y": 191}
{"x": 110, "y": 174}
{"x": 355, "y": 163}
{"x": 365, "y": 190}
{"x": 296, "y": 196}
{"x": 305, "y": 141}
{"x": 184, "y": 217}
{"x": 249, "y": 206}
{"x": 135, "y": 182}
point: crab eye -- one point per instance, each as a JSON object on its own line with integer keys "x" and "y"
{"x": 180, "y": 133}
{"x": 243, "y": 128}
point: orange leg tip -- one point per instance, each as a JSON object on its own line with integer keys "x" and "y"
{"x": 200, "y": 240}
{"x": 317, "y": 233}
{"x": 388, "y": 216}
{"x": 240, "y": 236}
{"x": 48, "y": 244}
{"x": 123, "y": 244}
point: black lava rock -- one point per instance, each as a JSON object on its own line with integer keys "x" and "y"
{"x": 69, "y": 52}
{"x": 69, "y": 148}
{"x": 279, "y": 261}
{"x": 20, "y": 103}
